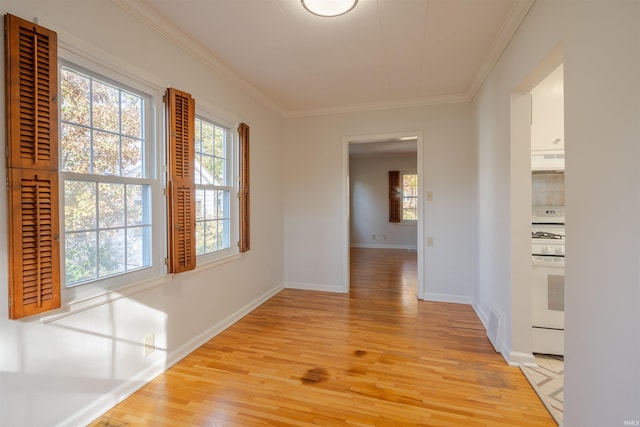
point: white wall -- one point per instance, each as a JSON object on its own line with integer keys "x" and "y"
{"x": 70, "y": 370}
{"x": 369, "y": 193}
{"x": 315, "y": 202}
{"x": 599, "y": 42}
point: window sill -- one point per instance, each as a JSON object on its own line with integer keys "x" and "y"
{"x": 108, "y": 296}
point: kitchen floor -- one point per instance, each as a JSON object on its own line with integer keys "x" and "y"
{"x": 547, "y": 379}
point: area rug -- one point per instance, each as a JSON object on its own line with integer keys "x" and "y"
{"x": 547, "y": 379}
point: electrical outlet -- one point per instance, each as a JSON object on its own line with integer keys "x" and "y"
{"x": 373, "y": 237}
{"x": 384, "y": 237}
{"x": 149, "y": 344}
{"x": 429, "y": 241}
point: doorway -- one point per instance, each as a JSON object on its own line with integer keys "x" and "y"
{"x": 521, "y": 208}
{"x": 537, "y": 210}
{"x": 383, "y": 152}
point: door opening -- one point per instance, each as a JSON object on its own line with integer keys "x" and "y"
{"x": 537, "y": 170}
{"x": 367, "y": 162}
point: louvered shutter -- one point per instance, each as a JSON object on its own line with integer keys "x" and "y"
{"x": 32, "y": 84}
{"x": 181, "y": 183}
{"x": 34, "y": 272}
{"x": 395, "y": 197}
{"x": 244, "y": 193}
{"x": 32, "y": 167}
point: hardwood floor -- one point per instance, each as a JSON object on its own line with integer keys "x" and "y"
{"x": 375, "y": 357}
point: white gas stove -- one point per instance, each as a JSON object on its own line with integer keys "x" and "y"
{"x": 547, "y": 254}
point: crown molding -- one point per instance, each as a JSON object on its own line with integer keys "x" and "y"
{"x": 171, "y": 32}
{"x": 516, "y": 16}
{"x": 356, "y": 108}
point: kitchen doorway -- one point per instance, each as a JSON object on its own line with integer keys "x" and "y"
{"x": 537, "y": 210}
{"x": 548, "y": 213}
{"x": 366, "y": 163}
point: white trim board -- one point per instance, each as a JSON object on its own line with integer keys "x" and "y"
{"x": 315, "y": 287}
{"x": 453, "y": 299}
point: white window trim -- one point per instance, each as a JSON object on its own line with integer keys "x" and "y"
{"x": 214, "y": 115}
{"x": 89, "y": 295}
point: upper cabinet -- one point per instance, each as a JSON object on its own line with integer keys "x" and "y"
{"x": 547, "y": 113}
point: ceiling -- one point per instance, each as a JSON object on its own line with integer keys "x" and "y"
{"x": 382, "y": 54}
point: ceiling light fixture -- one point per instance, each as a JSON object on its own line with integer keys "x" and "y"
{"x": 328, "y": 8}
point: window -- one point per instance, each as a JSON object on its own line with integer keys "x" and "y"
{"x": 82, "y": 176}
{"x": 403, "y": 196}
{"x": 214, "y": 186}
{"x": 106, "y": 160}
{"x": 409, "y": 197}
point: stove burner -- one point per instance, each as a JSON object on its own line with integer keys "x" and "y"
{"x": 545, "y": 235}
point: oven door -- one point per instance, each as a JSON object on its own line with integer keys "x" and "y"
{"x": 548, "y": 304}
{"x": 548, "y": 292}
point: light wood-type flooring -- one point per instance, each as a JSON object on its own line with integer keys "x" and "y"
{"x": 374, "y": 357}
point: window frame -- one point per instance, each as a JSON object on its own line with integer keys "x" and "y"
{"x": 211, "y": 116}
{"x": 109, "y": 71}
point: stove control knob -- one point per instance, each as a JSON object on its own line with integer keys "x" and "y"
{"x": 560, "y": 250}
{"x": 546, "y": 249}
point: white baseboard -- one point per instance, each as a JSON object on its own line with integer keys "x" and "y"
{"x": 382, "y": 246}
{"x": 455, "y": 299}
{"x": 484, "y": 319}
{"x": 117, "y": 395}
{"x": 513, "y": 358}
{"x": 517, "y": 358}
{"x": 315, "y": 287}
{"x": 219, "y": 327}
{"x": 481, "y": 314}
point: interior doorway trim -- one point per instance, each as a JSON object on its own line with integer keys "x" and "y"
{"x": 363, "y": 139}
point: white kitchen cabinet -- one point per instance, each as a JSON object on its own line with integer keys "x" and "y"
{"x": 547, "y": 113}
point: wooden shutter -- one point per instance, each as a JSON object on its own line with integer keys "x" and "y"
{"x": 32, "y": 167}
{"x": 181, "y": 213}
{"x": 395, "y": 197}
{"x": 244, "y": 193}
{"x": 31, "y": 84}
{"x": 34, "y": 249}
